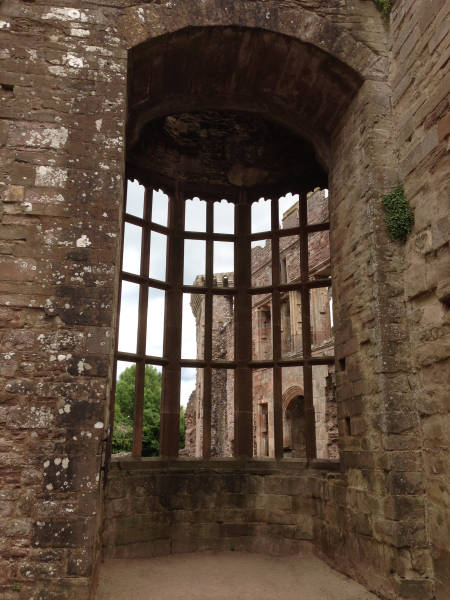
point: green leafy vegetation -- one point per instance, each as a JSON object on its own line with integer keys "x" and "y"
{"x": 123, "y": 415}
{"x": 384, "y": 6}
{"x": 399, "y": 216}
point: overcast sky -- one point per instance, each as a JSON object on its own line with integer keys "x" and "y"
{"x": 194, "y": 264}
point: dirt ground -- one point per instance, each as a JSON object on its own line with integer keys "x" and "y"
{"x": 226, "y": 576}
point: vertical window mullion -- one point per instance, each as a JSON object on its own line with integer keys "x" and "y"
{"x": 306, "y": 331}
{"x": 276, "y": 333}
{"x": 243, "y": 400}
{"x": 207, "y": 378}
{"x": 171, "y": 381}
{"x": 116, "y": 344}
{"x": 138, "y": 411}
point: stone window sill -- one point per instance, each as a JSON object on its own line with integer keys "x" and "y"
{"x": 226, "y": 464}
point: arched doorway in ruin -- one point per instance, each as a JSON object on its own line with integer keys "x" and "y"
{"x": 294, "y": 425}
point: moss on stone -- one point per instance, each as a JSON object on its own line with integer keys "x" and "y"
{"x": 399, "y": 218}
{"x": 384, "y": 6}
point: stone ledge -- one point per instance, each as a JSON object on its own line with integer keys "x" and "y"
{"x": 263, "y": 466}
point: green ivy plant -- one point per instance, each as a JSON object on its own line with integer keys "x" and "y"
{"x": 384, "y": 6}
{"x": 399, "y": 216}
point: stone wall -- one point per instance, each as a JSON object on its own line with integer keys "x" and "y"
{"x": 420, "y": 82}
{"x": 61, "y": 155}
{"x": 372, "y": 351}
{"x": 155, "y": 508}
{"x": 63, "y": 86}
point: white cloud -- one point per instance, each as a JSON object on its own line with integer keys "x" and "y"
{"x": 160, "y": 207}
{"x": 132, "y": 248}
{"x": 194, "y": 260}
{"x": 158, "y": 255}
{"x": 223, "y": 257}
{"x": 129, "y": 305}
{"x": 189, "y": 334}
{"x": 261, "y": 212}
{"x": 223, "y": 217}
{"x": 188, "y": 382}
{"x": 121, "y": 366}
{"x": 155, "y": 322}
{"x": 195, "y": 215}
{"x": 135, "y": 199}
{"x": 261, "y": 220}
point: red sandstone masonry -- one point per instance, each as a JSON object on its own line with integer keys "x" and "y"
{"x": 63, "y": 70}
{"x": 424, "y": 105}
{"x": 217, "y": 505}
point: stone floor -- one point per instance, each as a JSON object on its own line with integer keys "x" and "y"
{"x": 226, "y": 576}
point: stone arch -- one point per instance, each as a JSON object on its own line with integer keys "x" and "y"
{"x": 279, "y": 77}
{"x": 362, "y": 161}
{"x": 347, "y": 55}
{"x": 288, "y": 396}
{"x": 313, "y": 26}
{"x": 295, "y": 430}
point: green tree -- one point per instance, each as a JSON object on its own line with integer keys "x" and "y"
{"x": 123, "y": 415}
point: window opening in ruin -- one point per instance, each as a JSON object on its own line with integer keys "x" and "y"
{"x": 283, "y": 271}
{"x": 263, "y": 406}
{"x": 348, "y": 426}
{"x": 229, "y": 302}
{"x": 261, "y": 327}
{"x": 286, "y": 347}
{"x": 294, "y": 433}
{"x": 264, "y": 429}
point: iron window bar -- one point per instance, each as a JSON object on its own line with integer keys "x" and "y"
{"x": 242, "y": 291}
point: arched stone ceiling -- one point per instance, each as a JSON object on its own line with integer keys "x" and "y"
{"x": 268, "y": 75}
{"x": 225, "y": 149}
